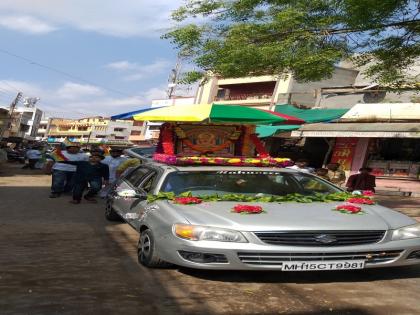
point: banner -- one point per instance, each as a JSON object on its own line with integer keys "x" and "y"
{"x": 343, "y": 152}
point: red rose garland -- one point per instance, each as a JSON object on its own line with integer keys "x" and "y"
{"x": 368, "y": 193}
{"x": 187, "y": 200}
{"x": 167, "y": 140}
{"x": 362, "y": 201}
{"x": 245, "y": 209}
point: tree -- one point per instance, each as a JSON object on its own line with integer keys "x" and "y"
{"x": 306, "y": 38}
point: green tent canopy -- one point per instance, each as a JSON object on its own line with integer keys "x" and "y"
{"x": 264, "y": 131}
{"x": 311, "y": 115}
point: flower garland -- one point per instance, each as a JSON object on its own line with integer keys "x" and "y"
{"x": 362, "y": 201}
{"x": 339, "y": 196}
{"x": 348, "y": 209}
{"x": 232, "y": 161}
{"x": 188, "y": 200}
{"x": 247, "y": 209}
{"x": 167, "y": 139}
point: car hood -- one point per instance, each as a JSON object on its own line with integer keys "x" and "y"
{"x": 291, "y": 216}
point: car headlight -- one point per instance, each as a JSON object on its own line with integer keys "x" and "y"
{"x": 407, "y": 232}
{"x": 207, "y": 233}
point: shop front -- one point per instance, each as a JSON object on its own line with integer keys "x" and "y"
{"x": 392, "y": 150}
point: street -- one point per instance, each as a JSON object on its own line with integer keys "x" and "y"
{"x": 60, "y": 258}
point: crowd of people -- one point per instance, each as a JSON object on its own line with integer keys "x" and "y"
{"x": 364, "y": 180}
{"x": 75, "y": 171}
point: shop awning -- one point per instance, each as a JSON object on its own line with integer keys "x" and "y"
{"x": 383, "y": 112}
{"x": 360, "y": 130}
{"x": 311, "y": 115}
{"x": 269, "y": 131}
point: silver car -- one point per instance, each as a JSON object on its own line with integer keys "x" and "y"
{"x": 287, "y": 236}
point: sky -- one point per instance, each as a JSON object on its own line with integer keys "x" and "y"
{"x": 82, "y": 58}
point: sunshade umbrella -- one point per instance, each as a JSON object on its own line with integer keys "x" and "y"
{"x": 129, "y": 115}
{"x": 210, "y": 113}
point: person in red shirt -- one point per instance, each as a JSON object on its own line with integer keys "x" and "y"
{"x": 362, "y": 181}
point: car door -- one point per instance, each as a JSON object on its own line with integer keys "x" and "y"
{"x": 138, "y": 206}
{"x": 122, "y": 205}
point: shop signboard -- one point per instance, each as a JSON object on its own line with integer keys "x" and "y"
{"x": 343, "y": 152}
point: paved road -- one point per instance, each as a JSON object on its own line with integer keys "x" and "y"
{"x": 58, "y": 258}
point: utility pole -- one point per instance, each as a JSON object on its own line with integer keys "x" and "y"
{"x": 11, "y": 112}
{"x": 173, "y": 78}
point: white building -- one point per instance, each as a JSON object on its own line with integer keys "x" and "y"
{"x": 34, "y": 116}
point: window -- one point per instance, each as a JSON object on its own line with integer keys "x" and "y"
{"x": 137, "y": 175}
{"x": 119, "y": 138}
{"x": 135, "y": 133}
{"x": 147, "y": 185}
{"x": 119, "y": 129}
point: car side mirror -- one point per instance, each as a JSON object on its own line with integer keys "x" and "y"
{"x": 131, "y": 193}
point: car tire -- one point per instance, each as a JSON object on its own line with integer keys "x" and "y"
{"x": 110, "y": 213}
{"x": 146, "y": 251}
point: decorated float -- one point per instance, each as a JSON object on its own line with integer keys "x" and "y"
{"x": 212, "y": 135}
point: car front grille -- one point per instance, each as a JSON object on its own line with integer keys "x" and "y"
{"x": 320, "y": 238}
{"x": 255, "y": 258}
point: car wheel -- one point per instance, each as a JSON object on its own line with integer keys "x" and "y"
{"x": 110, "y": 213}
{"x": 146, "y": 251}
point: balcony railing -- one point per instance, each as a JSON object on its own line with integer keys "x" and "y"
{"x": 244, "y": 96}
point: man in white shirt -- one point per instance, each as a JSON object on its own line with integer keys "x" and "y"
{"x": 113, "y": 161}
{"x": 301, "y": 165}
{"x": 62, "y": 173}
{"x": 33, "y": 155}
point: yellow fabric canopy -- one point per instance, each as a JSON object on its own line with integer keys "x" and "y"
{"x": 193, "y": 113}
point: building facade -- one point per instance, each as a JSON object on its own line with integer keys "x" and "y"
{"x": 382, "y": 136}
{"x": 91, "y": 129}
{"x": 266, "y": 91}
{"x": 33, "y": 116}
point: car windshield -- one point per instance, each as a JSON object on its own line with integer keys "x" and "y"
{"x": 245, "y": 182}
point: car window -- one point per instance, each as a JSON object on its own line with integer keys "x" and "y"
{"x": 148, "y": 184}
{"x": 311, "y": 183}
{"x": 245, "y": 182}
{"x": 135, "y": 177}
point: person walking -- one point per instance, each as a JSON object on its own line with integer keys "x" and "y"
{"x": 362, "y": 181}
{"x": 33, "y": 155}
{"x": 114, "y": 160}
{"x": 62, "y": 173}
{"x": 92, "y": 174}
{"x": 335, "y": 174}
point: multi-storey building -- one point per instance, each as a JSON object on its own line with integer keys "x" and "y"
{"x": 34, "y": 116}
{"x": 91, "y": 129}
{"x": 266, "y": 91}
{"x": 42, "y": 133}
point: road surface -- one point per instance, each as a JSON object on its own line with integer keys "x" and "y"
{"x": 59, "y": 258}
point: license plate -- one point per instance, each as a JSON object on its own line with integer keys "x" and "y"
{"x": 322, "y": 265}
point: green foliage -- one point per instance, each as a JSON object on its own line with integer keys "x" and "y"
{"x": 317, "y": 197}
{"x": 236, "y": 38}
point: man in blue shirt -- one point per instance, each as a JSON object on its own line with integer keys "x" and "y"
{"x": 92, "y": 174}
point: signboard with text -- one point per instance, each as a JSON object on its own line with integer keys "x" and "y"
{"x": 343, "y": 152}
